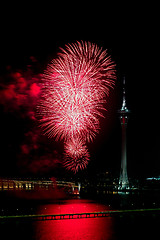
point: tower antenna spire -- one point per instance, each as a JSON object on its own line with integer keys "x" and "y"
{"x": 124, "y": 85}
{"x": 124, "y": 107}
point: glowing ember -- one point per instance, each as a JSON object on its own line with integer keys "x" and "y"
{"x": 75, "y": 85}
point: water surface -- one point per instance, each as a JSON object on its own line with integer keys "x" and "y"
{"x": 107, "y": 228}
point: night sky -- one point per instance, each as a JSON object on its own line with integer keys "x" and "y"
{"x": 30, "y": 39}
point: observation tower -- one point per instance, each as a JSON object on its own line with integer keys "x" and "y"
{"x": 124, "y": 115}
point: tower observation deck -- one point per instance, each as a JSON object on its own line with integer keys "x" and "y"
{"x": 124, "y": 114}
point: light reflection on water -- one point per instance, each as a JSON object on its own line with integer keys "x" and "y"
{"x": 127, "y": 227}
{"x": 89, "y": 229}
{"x": 72, "y": 206}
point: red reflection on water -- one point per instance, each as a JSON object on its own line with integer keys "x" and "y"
{"x": 87, "y": 228}
{"x": 72, "y": 206}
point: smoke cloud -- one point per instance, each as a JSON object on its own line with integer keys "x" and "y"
{"x": 31, "y": 153}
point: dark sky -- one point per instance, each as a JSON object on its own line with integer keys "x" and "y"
{"x": 30, "y": 38}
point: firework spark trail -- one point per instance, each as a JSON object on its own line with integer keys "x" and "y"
{"x": 76, "y": 155}
{"x": 75, "y": 86}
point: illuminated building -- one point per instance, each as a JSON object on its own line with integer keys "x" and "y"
{"x": 39, "y": 185}
{"x": 123, "y": 114}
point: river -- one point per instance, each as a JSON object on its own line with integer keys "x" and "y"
{"x": 106, "y": 228}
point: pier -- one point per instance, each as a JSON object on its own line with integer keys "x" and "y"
{"x": 110, "y": 213}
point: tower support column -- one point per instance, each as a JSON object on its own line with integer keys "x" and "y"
{"x": 123, "y": 180}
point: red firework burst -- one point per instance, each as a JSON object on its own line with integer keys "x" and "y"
{"x": 76, "y": 155}
{"x": 74, "y": 89}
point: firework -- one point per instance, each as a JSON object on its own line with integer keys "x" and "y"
{"x": 74, "y": 91}
{"x": 76, "y": 155}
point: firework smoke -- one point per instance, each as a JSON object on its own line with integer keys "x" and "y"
{"x": 74, "y": 89}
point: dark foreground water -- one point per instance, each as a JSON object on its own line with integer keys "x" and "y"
{"x": 107, "y": 228}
